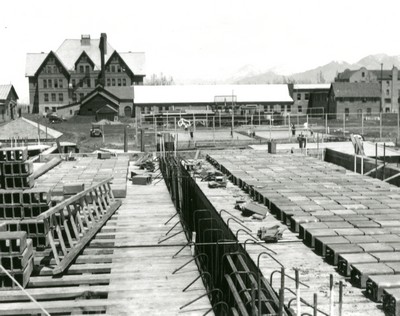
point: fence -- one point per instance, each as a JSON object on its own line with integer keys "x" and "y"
{"x": 370, "y": 125}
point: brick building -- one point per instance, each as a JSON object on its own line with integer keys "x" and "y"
{"x": 307, "y": 96}
{"x": 66, "y": 76}
{"x": 8, "y": 102}
{"x": 353, "y": 99}
{"x": 388, "y": 80}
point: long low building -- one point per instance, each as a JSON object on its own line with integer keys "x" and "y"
{"x": 246, "y": 99}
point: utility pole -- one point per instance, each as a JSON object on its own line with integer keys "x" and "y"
{"x": 381, "y": 105}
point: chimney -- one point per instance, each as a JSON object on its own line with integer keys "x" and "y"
{"x": 103, "y": 51}
{"x": 104, "y": 37}
{"x": 85, "y": 40}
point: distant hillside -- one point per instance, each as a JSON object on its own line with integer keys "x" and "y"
{"x": 325, "y": 73}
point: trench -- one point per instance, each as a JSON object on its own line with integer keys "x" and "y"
{"x": 233, "y": 282}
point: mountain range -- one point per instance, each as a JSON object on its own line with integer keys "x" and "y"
{"x": 323, "y": 74}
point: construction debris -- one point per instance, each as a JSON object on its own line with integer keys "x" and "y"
{"x": 271, "y": 234}
{"x": 250, "y": 208}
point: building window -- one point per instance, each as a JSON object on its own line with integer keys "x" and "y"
{"x": 387, "y": 82}
{"x": 124, "y": 82}
{"x": 53, "y": 97}
{"x": 112, "y": 68}
{"x": 74, "y": 97}
{"x": 288, "y": 108}
{"x": 46, "y": 97}
{"x": 388, "y": 100}
{"x": 346, "y": 112}
{"x": 70, "y": 112}
{"x": 113, "y": 81}
{"x": 81, "y": 69}
{"x": 44, "y": 83}
{"x": 387, "y": 110}
{"x": 299, "y": 96}
{"x": 363, "y": 74}
{"x": 359, "y": 113}
{"x": 87, "y": 69}
{"x": 282, "y": 108}
{"x": 46, "y": 109}
{"x": 73, "y": 83}
{"x": 50, "y": 83}
{"x": 108, "y": 82}
{"x": 118, "y": 68}
{"x": 306, "y": 96}
{"x": 88, "y": 82}
{"x": 55, "y": 83}
{"x": 300, "y": 109}
{"x": 81, "y": 96}
{"x": 119, "y": 82}
{"x": 54, "y": 109}
{"x": 61, "y": 97}
{"x": 369, "y": 111}
{"x": 60, "y": 83}
{"x": 387, "y": 92}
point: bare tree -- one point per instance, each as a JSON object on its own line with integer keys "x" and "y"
{"x": 159, "y": 80}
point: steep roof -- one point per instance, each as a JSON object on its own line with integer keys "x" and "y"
{"x": 356, "y": 89}
{"x": 33, "y": 62}
{"x": 5, "y": 90}
{"x": 207, "y": 93}
{"x": 122, "y": 93}
{"x": 136, "y": 62}
{"x": 71, "y": 49}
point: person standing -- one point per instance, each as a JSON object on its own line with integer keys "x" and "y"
{"x": 191, "y": 130}
{"x": 293, "y": 127}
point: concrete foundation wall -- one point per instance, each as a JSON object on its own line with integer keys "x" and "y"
{"x": 347, "y": 161}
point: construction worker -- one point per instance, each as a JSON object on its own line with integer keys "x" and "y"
{"x": 293, "y": 127}
{"x": 191, "y": 130}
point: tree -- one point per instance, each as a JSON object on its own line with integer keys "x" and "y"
{"x": 159, "y": 80}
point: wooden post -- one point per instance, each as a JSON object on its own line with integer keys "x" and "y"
{"x": 38, "y": 129}
{"x": 315, "y": 309}
{"x": 384, "y": 161}
{"x": 340, "y": 298}
{"x": 380, "y": 126}
{"x": 126, "y": 139}
{"x": 326, "y": 123}
{"x": 362, "y": 123}
{"x": 214, "y": 129}
{"x": 376, "y": 160}
{"x": 331, "y": 296}
{"x": 142, "y": 147}
{"x": 344, "y": 124}
{"x": 298, "y": 311}
{"x": 398, "y": 126}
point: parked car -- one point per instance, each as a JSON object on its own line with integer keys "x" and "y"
{"x": 96, "y": 131}
{"x": 54, "y": 118}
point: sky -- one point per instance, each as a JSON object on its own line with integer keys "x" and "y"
{"x": 203, "y": 40}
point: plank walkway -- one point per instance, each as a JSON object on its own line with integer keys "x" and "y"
{"x": 124, "y": 270}
{"x": 291, "y": 252}
{"x": 149, "y": 285}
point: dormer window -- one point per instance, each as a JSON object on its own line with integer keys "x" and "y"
{"x": 363, "y": 74}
